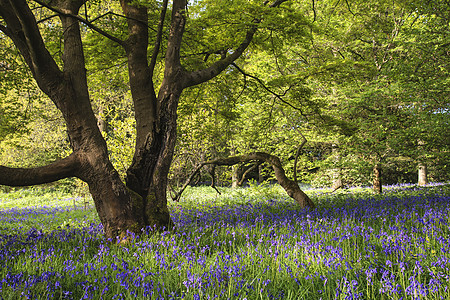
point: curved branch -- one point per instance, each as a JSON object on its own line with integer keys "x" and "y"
{"x": 291, "y": 188}
{"x": 200, "y": 76}
{"x": 61, "y": 169}
{"x": 176, "y": 196}
{"x": 244, "y": 176}
{"x": 82, "y": 20}
{"x": 278, "y": 96}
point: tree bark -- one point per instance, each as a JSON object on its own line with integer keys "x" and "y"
{"x": 32, "y": 176}
{"x": 336, "y": 173}
{"x": 377, "y": 186}
{"x": 422, "y": 174}
{"x": 234, "y": 177}
{"x": 422, "y": 167}
{"x": 155, "y": 125}
{"x": 255, "y": 166}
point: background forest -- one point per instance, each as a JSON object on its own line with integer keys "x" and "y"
{"x": 366, "y": 83}
{"x": 133, "y": 97}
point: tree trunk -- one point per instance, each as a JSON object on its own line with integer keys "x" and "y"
{"x": 260, "y": 174}
{"x": 117, "y": 210}
{"x": 336, "y": 173}
{"x": 69, "y": 92}
{"x": 377, "y": 187}
{"x": 422, "y": 175}
{"x": 234, "y": 177}
{"x": 337, "y": 183}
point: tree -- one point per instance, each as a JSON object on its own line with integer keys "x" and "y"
{"x": 141, "y": 201}
{"x": 390, "y": 62}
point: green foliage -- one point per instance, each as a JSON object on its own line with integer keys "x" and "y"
{"x": 364, "y": 81}
{"x": 383, "y": 90}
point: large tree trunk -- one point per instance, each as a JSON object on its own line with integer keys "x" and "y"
{"x": 116, "y": 210}
{"x": 155, "y": 114}
{"x": 68, "y": 90}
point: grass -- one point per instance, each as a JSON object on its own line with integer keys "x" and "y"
{"x": 251, "y": 243}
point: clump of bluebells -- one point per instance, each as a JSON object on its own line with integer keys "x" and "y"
{"x": 252, "y": 246}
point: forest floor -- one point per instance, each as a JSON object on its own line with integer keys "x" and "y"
{"x": 248, "y": 243}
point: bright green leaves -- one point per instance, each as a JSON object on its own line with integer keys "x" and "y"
{"x": 15, "y": 83}
{"x": 369, "y": 77}
{"x": 288, "y": 21}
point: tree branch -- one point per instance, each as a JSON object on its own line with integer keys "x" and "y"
{"x": 275, "y": 3}
{"x": 254, "y": 166}
{"x": 314, "y": 10}
{"x": 200, "y": 76}
{"x": 61, "y": 169}
{"x": 349, "y": 9}
{"x": 291, "y": 188}
{"x": 82, "y": 20}
{"x": 297, "y": 154}
{"x": 24, "y": 32}
{"x": 212, "y": 173}
{"x": 177, "y": 195}
{"x": 47, "y": 18}
{"x": 278, "y": 96}
{"x": 117, "y": 15}
{"x": 175, "y": 37}
{"x": 158, "y": 36}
